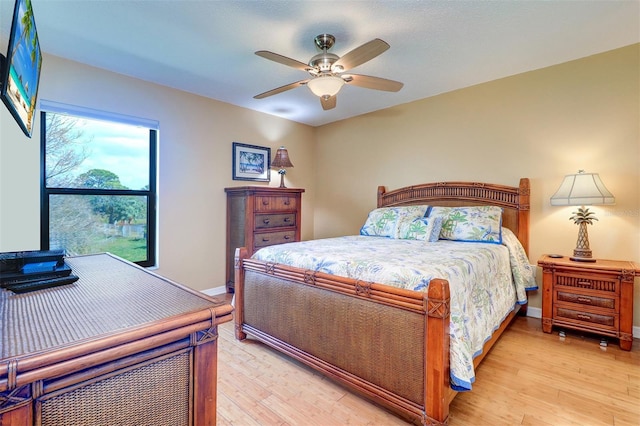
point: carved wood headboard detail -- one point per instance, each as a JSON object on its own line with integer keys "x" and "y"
{"x": 513, "y": 199}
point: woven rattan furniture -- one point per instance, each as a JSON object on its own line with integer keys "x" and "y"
{"x": 260, "y": 216}
{"x": 121, "y": 346}
{"x": 402, "y": 362}
{"x": 596, "y": 297}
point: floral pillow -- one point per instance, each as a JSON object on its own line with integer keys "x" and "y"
{"x": 472, "y": 224}
{"x": 384, "y": 221}
{"x": 422, "y": 228}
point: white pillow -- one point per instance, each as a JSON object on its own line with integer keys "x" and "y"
{"x": 422, "y": 228}
{"x": 384, "y": 221}
{"x": 471, "y": 224}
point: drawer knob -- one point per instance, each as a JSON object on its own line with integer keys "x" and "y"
{"x": 584, "y": 300}
{"x": 287, "y": 219}
{"x": 265, "y": 221}
{"x": 286, "y": 237}
{"x": 265, "y": 202}
{"x": 584, "y": 317}
{"x": 265, "y": 239}
{"x": 287, "y": 202}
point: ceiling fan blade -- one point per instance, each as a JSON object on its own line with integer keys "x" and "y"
{"x": 375, "y": 83}
{"x": 284, "y": 60}
{"x": 328, "y": 103}
{"x": 281, "y": 89}
{"x": 360, "y": 55}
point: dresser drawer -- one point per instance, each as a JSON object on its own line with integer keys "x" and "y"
{"x": 591, "y": 282}
{"x": 265, "y": 221}
{"x": 269, "y": 203}
{"x": 600, "y": 321}
{"x": 586, "y": 300}
{"x": 271, "y": 238}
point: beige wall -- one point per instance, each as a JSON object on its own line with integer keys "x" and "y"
{"x": 196, "y": 134}
{"x": 543, "y": 124}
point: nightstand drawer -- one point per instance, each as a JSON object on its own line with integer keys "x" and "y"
{"x": 601, "y": 321}
{"x": 591, "y": 282}
{"x": 269, "y": 203}
{"x": 264, "y": 221}
{"x": 587, "y": 300}
{"x": 271, "y": 238}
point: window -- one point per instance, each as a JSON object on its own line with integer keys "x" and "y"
{"x": 98, "y": 183}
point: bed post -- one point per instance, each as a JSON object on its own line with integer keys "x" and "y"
{"x": 241, "y": 254}
{"x": 437, "y": 359}
{"x": 381, "y": 192}
{"x": 523, "y": 213}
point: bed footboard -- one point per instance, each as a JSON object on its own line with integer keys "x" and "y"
{"x": 389, "y": 344}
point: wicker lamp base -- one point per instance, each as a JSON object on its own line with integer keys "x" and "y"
{"x": 581, "y": 255}
{"x": 582, "y": 252}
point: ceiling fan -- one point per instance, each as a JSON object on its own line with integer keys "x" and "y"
{"x": 328, "y": 70}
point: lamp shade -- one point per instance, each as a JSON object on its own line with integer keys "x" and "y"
{"x": 328, "y": 85}
{"x": 281, "y": 160}
{"x": 582, "y": 189}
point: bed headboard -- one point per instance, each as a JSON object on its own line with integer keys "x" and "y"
{"x": 513, "y": 199}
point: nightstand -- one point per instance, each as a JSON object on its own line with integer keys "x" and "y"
{"x": 595, "y": 297}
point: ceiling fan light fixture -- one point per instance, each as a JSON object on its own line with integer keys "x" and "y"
{"x": 328, "y": 85}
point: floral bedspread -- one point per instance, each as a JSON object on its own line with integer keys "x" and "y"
{"x": 486, "y": 280}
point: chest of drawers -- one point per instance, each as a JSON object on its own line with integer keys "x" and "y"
{"x": 595, "y": 297}
{"x": 258, "y": 217}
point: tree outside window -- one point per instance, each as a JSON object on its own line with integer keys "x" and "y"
{"x": 98, "y": 187}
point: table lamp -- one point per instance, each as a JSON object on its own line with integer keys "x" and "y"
{"x": 281, "y": 161}
{"x": 582, "y": 189}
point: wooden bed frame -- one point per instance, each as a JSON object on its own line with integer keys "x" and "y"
{"x": 390, "y": 345}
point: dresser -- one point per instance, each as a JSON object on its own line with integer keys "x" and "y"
{"x": 591, "y": 296}
{"x": 259, "y": 216}
{"x": 120, "y": 346}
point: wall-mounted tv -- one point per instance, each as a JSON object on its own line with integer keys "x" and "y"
{"x": 20, "y": 69}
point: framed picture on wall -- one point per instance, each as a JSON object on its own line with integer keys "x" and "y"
{"x": 251, "y": 162}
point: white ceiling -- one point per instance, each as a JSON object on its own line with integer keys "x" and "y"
{"x": 207, "y": 47}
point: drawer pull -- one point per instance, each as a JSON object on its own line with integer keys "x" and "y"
{"x": 287, "y": 219}
{"x": 287, "y": 202}
{"x": 584, "y": 300}
{"x": 585, "y": 283}
{"x": 265, "y": 202}
{"x": 286, "y": 237}
{"x": 265, "y": 221}
{"x": 265, "y": 239}
{"x": 584, "y": 317}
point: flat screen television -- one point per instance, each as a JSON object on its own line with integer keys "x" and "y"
{"x": 20, "y": 69}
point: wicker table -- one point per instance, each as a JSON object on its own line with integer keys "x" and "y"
{"x": 121, "y": 346}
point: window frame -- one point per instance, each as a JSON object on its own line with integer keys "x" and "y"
{"x": 151, "y": 194}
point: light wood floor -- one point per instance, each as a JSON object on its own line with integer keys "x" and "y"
{"x": 529, "y": 378}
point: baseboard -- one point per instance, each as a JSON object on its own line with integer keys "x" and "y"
{"x": 534, "y": 312}
{"x": 537, "y": 313}
{"x": 215, "y": 291}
